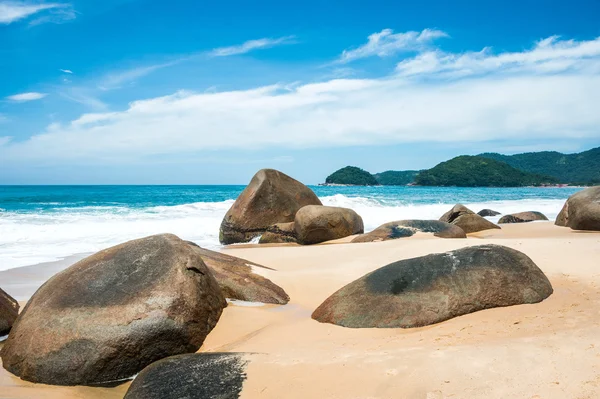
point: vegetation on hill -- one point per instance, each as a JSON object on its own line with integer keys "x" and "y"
{"x": 476, "y": 171}
{"x": 581, "y": 168}
{"x": 396, "y": 177}
{"x": 353, "y": 176}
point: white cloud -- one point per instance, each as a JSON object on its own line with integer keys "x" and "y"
{"x": 538, "y": 100}
{"x": 12, "y": 11}
{"x": 66, "y": 71}
{"x": 251, "y": 45}
{"x": 547, "y": 56}
{"x": 22, "y": 97}
{"x": 387, "y": 43}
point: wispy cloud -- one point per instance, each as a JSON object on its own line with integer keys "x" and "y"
{"x": 539, "y": 102}
{"x": 66, "y": 71}
{"x": 12, "y": 11}
{"x": 83, "y": 96}
{"x": 251, "y": 45}
{"x": 386, "y": 43}
{"x": 116, "y": 79}
{"x": 22, "y": 97}
{"x": 550, "y": 55}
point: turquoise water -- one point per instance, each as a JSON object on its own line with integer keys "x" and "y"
{"x": 44, "y": 223}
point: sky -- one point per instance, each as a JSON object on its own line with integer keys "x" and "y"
{"x": 188, "y": 92}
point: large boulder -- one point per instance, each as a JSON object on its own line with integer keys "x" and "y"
{"x": 407, "y": 228}
{"x": 314, "y": 224}
{"x": 237, "y": 279}
{"x": 467, "y": 220}
{"x": 110, "y": 315}
{"x": 192, "y": 376}
{"x": 522, "y": 217}
{"x": 430, "y": 289}
{"x": 488, "y": 212}
{"x": 271, "y": 197}
{"x": 582, "y": 210}
{"x": 279, "y": 233}
{"x": 9, "y": 310}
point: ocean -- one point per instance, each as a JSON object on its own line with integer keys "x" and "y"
{"x": 47, "y": 223}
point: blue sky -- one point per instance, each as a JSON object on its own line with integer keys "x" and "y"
{"x": 188, "y": 92}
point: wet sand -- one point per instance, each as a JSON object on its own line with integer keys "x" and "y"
{"x": 545, "y": 350}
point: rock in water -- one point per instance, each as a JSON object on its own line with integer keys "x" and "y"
{"x": 522, "y": 217}
{"x": 110, "y": 315}
{"x": 271, "y": 197}
{"x": 279, "y": 233}
{"x": 488, "y": 212}
{"x": 433, "y": 288}
{"x": 238, "y": 281}
{"x": 467, "y": 220}
{"x": 406, "y": 228}
{"x": 195, "y": 376}
{"x": 315, "y": 224}
{"x": 581, "y": 211}
{"x": 9, "y": 310}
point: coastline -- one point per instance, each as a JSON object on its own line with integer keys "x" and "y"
{"x": 546, "y": 349}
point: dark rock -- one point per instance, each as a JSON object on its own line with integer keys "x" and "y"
{"x": 238, "y": 281}
{"x": 467, "y": 220}
{"x": 522, "y": 217}
{"x": 279, "y": 233}
{"x": 488, "y": 212}
{"x": 110, "y": 315}
{"x": 406, "y": 228}
{"x": 315, "y": 224}
{"x": 430, "y": 289}
{"x": 9, "y": 310}
{"x": 195, "y": 376}
{"x": 582, "y": 210}
{"x": 271, "y": 197}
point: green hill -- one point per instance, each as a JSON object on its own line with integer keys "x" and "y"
{"x": 396, "y": 178}
{"x": 476, "y": 171}
{"x": 353, "y": 176}
{"x": 581, "y": 168}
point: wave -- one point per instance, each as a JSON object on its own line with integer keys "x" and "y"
{"x": 34, "y": 237}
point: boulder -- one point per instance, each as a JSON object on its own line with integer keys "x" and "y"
{"x": 237, "y": 279}
{"x": 430, "y": 289}
{"x": 582, "y": 210}
{"x": 406, "y": 228}
{"x": 315, "y": 224}
{"x": 488, "y": 212}
{"x": 279, "y": 233}
{"x": 110, "y": 315}
{"x": 522, "y": 217}
{"x": 271, "y": 197}
{"x": 9, "y": 310}
{"x": 467, "y": 220}
{"x": 192, "y": 376}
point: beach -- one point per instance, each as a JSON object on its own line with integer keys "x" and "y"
{"x": 544, "y": 350}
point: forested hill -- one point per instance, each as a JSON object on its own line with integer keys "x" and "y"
{"x": 581, "y": 168}
{"x": 475, "y": 171}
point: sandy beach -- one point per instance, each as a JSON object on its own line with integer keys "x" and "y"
{"x": 545, "y": 350}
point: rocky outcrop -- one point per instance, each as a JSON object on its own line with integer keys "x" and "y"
{"x": 407, "y": 228}
{"x": 194, "y": 376}
{"x": 314, "y": 224}
{"x": 581, "y": 211}
{"x": 467, "y": 220}
{"x": 237, "y": 279}
{"x": 488, "y": 212}
{"x": 271, "y": 197}
{"x": 110, "y": 315}
{"x": 522, "y": 217}
{"x": 9, "y": 310}
{"x": 430, "y": 289}
{"x": 279, "y": 233}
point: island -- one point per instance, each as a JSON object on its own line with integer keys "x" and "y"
{"x": 487, "y": 170}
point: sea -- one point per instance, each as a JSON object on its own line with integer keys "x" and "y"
{"x": 47, "y": 223}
